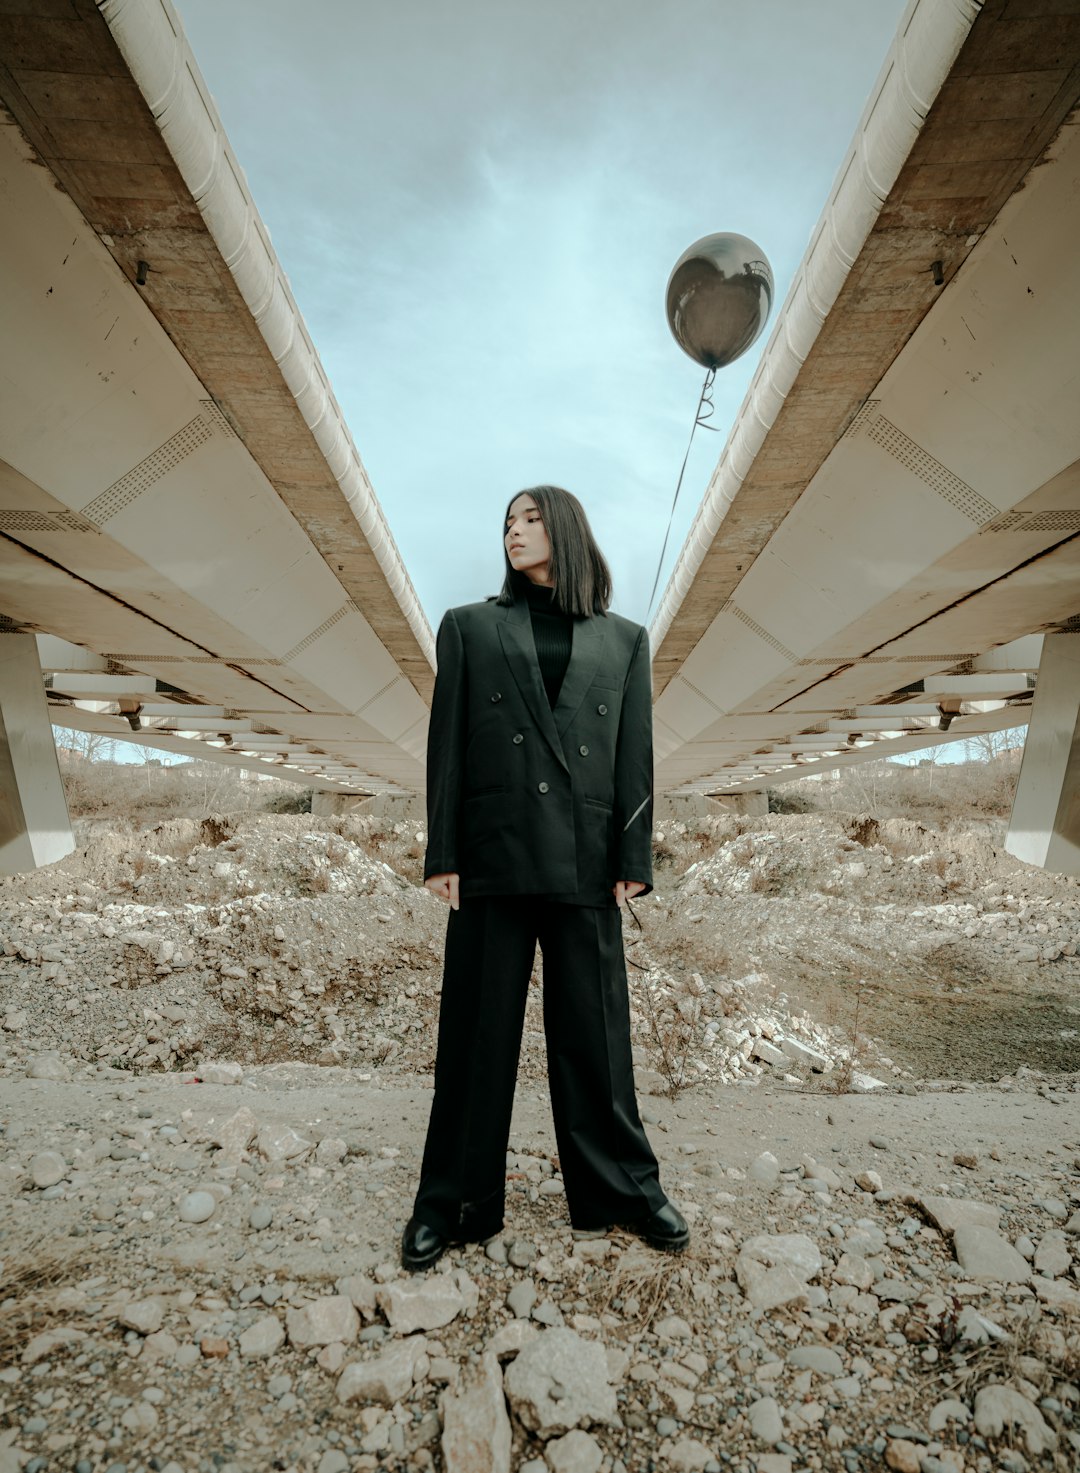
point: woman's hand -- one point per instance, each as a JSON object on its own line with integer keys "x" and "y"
{"x": 627, "y": 889}
{"x": 447, "y": 887}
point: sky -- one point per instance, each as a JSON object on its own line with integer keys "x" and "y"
{"x": 478, "y": 206}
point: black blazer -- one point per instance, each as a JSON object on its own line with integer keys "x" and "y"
{"x": 526, "y": 800}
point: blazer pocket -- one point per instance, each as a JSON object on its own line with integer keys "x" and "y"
{"x": 484, "y": 792}
{"x": 597, "y": 803}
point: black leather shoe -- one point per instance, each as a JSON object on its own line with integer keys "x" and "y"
{"x": 666, "y": 1229}
{"x": 421, "y": 1246}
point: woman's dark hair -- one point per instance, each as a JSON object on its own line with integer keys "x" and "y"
{"x": 580, "y": 576}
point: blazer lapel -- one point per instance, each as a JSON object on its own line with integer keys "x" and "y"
{"x": 585, "y": 655}
{"x": 515, "y": 633}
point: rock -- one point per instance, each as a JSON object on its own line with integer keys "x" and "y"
{"x": 765, "y": 1169}
{"x": 802, "y": 1053}
{"x": 197, "y": 1206}
{"x": 520, "y": 1254}
{"x": 577, "y": 1452}
{"x": 673, "y": 1327}
{"x": 949, "y": 1410}
{"x": 976, "y": 1329}
{"x": 818, "y": 1358}
{"x": 690, "y": 1455}
{"x": 509, "y": 1339}
{"x": 281, "y": 1143}
{"x": 949, "y": 1213}
{"x": 322, "y": 1322}
{"x": 476, "y": 1429}
{"x": 361, "y": 1290}
{"x": 389, "y": 1377}
{"x": 47, "y": 1168}
{"x": 869, "y": 1181}
{"x": 767, "y": 1052}
{"x": 774, "y": 1269}
{"x": 902, "y": 1455}
{"x": 142, "y": 1315}
{"x": 852, "y": 1268}
{"x": 521, "y": 1299}
{"x": 220, "y": 1073}
{"x": 1052, "y": 1255}
{"x": 262, "y": 1338}
{"x": 969, "y": 1160}
{"x": 39, "y": 1347}
{"x": 260, "y": 1217}
{"x": 234, "y": 1135}
{"x": 984, "y": 1255}
{"x": 998, "y": 1407}
{"x": 765, "y": 1420}
{"x": 48, "y": 1066}
{"x": 420, "y": 1303}
{"x": 330, "y": 1151}
{"x": 560, "y": 1381}
{"x": 772, "y": 1463}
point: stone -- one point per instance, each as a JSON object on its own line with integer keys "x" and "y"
{"x": 281, "y": 1143}
{"x": 509, "y": 1339}
{"x": 976, "y": 1329}
{"x": 262, "y": 1338}
{"x": 576, "y": 1452}
{"x": 47, "y": 1168}
{"x": 48, "y": 1066}
{"x": 853, "y": 1269}
{"x": 520, "y": 1253}
{"x": 142, "y": 1315}
{"x": 196, "y": 1206}
{"x": 689, "y": 1455}
{"x": 389, "y": 1377}
{"x": 774, "y": 1269}
{"x": 949, "y": 1213}
{"x": 521, "y": 1299}
{"x": 420, "y": 1303}
{"x": 331, "y": 1151}
{"x": 476, "y": 1432}
{"x": 260, "y": 1217}
{"x": 944, "y": 1412}
{"x": 818, "y": 1358}
{"x": 234, "y": 1135}
{"x": 361, "y": 1290}
{"x": 1052, "y": 1255}
{"x": 765, "y": 1420}
{"x": 772, "y": 1463}
{"x": 767, "y": 1052}
{"x": 998, "y": 1407}
{"x": 39, "y": 1347}
{"x": 869, "y": 1181}
{"x": 985, "y": 1256}
{"x": 802, "y": 1053}
{"x": 764, "y": 1169}
{"x": 220, "y": 1073}
{"x": 902, "y": 1455}
{"x": 560, "y": 1381}
{"x": 322, "y": 1322}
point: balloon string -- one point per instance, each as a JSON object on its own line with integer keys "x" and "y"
{"x": 705, "y": 410}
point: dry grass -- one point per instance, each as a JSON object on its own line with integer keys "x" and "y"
{"x": 648, "y": 1285}
{"x": 35, "y": 1293}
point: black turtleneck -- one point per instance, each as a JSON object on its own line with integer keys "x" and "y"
{"x": 553, "y": 635}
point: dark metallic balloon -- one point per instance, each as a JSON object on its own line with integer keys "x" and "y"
{"x": 719, "y": 298}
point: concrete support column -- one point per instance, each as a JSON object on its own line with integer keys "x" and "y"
{"x": 1045, "y": 825}
{"x": 34, "y": 824}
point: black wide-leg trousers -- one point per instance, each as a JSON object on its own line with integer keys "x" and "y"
{"x": 608, "y": 1166}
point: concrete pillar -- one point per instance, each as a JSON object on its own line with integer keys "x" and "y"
{"x": 34, "y": 824}
{"x": 1045, "y": 825}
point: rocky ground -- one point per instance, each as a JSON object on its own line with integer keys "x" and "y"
{"x": 858, "y": 1059}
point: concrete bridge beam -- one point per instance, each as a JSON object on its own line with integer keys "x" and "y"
{"x": 34, "y": 825}
{"x": 1045, "y": 825}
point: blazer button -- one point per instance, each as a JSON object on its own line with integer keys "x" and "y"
{"x": 543, "y": 787}
{"x": 584, "y": 751}
{"x": 518, "y": 739}
{"x": 602, "y": 710}
{"x": 497, "y": 696}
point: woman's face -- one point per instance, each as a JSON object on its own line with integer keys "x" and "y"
{"x": 526, "y": 541}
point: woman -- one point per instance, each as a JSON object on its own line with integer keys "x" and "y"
{"x": 539, "y": 826}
